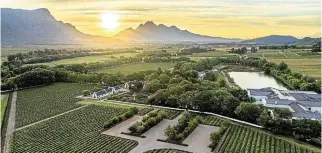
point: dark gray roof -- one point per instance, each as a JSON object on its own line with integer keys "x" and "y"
{"x": 308, "y": 115}
{"x": 306, "y": 97}
{"x": 261, "y": 92}
{"x": 309, "y": 103}
{"x": 108, "y": 90}
{"x": 99, "y": 93}
{"x": 279, "y": 101}
{"x": 117, "y": 88}
{"x": 297, "y": 108}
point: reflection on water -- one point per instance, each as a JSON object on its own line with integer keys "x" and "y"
{"x": 255, "y": 80}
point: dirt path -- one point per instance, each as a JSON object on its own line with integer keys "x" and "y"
{"x": 50, "y": 118}
{"x": 282, "y": 53}
{"x": 11, "y": 122}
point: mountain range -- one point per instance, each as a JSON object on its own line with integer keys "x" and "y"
{"x": 149, "y": 31}
{"x": 40, "y": 27}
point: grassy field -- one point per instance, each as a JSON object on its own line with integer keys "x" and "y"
{"x": 4, "y": 101}
{"x": 131, "y": 68}
{"x": 299, "y": 61}
{"x": 39, "y": 103}
{"x": 88, "y": 59}
{"x": 78, "y": 131}
{"x": 304, "y": 66}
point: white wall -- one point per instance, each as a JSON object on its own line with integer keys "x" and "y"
{"x": 279, "y": 106}
{"x": 316, "y": 109}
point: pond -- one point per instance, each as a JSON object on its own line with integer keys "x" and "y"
{"x": 255, "y": 80}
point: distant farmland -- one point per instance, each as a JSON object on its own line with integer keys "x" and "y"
{"x": 131, "y": 68}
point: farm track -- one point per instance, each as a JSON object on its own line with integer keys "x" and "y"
{"x": 50, "y": 118}
{"x": 11, "y": 122}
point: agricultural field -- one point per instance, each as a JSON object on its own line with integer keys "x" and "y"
{"x": 172, "y": 113}
{"x": 305, "y": 66}
{"x": 244, "y": 139}
{"x": 142, "y": 110}
{"x": 132, "y": 68}
{"x": 211, "y": 120}
{"x": 78, "y": 131}
{"x": 4, "y": 101}
{"x": 166, "y": 151}
{"x": 212, "y": 54}
{"x": 39, "y": 103}
{"x": 88, "y": 59}
{"x": 304, "y": 62}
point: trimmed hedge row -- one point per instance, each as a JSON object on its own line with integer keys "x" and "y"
{"x": 147, "y": 122}
{"x": 118, "y": 119}
{"x": 186, "y": 125}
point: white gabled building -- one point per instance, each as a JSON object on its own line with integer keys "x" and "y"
{"x": 106, "y": 92}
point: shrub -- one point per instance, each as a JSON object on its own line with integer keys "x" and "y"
{"x": 147, "y": 122}
{"x": 131, "y": 112}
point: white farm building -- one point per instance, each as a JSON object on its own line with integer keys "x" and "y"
{"x": 302, "y": 104}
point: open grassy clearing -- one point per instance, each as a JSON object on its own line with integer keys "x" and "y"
{"x": 88, "y": 59}
{"x": 39, "y": 103}
{"x": 79, "y": 131}
{"x": 131, "y": 68}
{"x": 4, "y": 101}
{"x": 212, "y": 54}
{"x": 244, "y": 139}
{"x": 304, "y": 66}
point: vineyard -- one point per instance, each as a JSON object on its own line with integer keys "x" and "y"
{"x": 78, "y": 131}
{"x": 248, "y": 140}
{"x": 166, "y": 151}
{"x": 211, "y": 120}
{"x": 145, "y": 110}
{"x": 172, "y": 113}
{"x": 39, "y": 103}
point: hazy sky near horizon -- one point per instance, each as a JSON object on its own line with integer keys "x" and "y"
{"x": 223, "y": 18}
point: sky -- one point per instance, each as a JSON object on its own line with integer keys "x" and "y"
{"x": 223, "y": 18}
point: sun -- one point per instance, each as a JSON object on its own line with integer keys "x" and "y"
{"x": 110, "y": 21}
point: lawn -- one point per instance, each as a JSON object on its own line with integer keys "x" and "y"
{"x": 4, "y": 100}
{"x": 40, "y": 103}
{"x": 131, "y": 68}
{"x": 305, "y": 66}
{"x": 77, "y": 131}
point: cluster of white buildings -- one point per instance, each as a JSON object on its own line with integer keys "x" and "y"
{"x": 302, "y": 104}
{"x": 105, "y": 92}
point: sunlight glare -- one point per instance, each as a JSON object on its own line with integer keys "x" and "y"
{"x": 110, "y": 21}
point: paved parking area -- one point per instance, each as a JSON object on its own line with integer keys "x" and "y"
{"x": 198, "y": 140}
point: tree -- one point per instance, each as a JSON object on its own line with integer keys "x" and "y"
{"x": 152, "y": 86}
{"x": 253, "y": 50}
{"x": 86, "y": 92}
{"x": 282, "y": 113}
{"x": 249, "y": 112}
{"x": 211, "y": 76}
{"x": 316, "y": 47}
{"x": 283, "y": 66}
{"x": 164, "y": 78}
{"x": 203, "y": 100}
{"x": 306, "y": 128}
